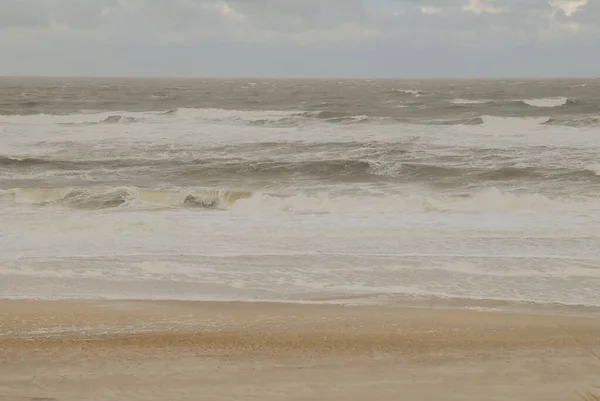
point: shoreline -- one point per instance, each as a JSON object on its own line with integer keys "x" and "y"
{"x": 289, "y": 326}
{"x": 157, "y": 350}
{"x": 360, "y": 300}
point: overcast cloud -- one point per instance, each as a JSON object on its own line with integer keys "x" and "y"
{"x": 300, "y": 37}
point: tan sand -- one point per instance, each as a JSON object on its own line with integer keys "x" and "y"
{"x": 75, "y": 350}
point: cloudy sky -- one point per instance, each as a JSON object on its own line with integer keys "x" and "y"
{"x": 343, "y": 38}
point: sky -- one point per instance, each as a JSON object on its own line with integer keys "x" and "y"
{"x": 301, "y": 38}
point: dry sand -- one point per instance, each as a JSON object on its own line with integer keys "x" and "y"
{"x": 148, "y": 350}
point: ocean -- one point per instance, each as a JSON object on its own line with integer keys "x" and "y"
{"x": 300, "y": 190}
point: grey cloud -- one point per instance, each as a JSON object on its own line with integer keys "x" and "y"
{"x": 273, "y": 28}
{"x": 306, "y": 22}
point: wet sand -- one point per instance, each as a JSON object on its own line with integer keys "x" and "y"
{"x": 167, "y": 350}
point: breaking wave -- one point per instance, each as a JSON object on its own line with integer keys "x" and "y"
{"x": 274, "y": 118}
{"x": 548, "y": 102}
{"x": 104, "y": 198}
{"x": 523, "y": 104}
{"x": 578, "y": 122}
{"x": 29, "y": 162}
{"x": 468, "y": 101}
{"x": 119, "y": 120}
{"x": 456, "y": 111}
{"x": 575, "y": 122}
{"x": 489, "y": 120}
{"x": 80, "y": 119}
{"x": 490, "y": 199}
{"x": 412, "y": 92}
{"x": 364, "y": 168}
{"x": 513, "y": 121}
{"x": 338, "y": 117}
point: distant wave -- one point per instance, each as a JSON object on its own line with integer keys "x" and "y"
{"x": 114, "y": 119}
{"x": 81, "y": 119}
{"x": 513, "y": 121}
{"x": 29, "y": 162}
{"x": 119, "y": 120}
{"x": 578, "y": 122}
{"x": 467, "y": 112}
{"x": 488, "y": 120}
{"x": 336, "y": 169}
{"x": 547, "y": 102}
{"x": 275, "y": 118}
{"x": 490, "y": 199}
{"x": 412, "y": 92}
{"x": 339, "y": 117}
{"x": 211, "y": 114}
{"x": 524, "y": 103}
{"x": 468, "y": 101}
{"x": 455, "y": 121}
{"x": 575, "y": 122}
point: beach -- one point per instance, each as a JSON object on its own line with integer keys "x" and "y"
{"x": 157, "y": 350}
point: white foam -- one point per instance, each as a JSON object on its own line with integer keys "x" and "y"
{"x": 491, "y": 199}
{"x": 513, "y": 121}
{"x": 546, "y": 102}
{"x": 115, "y": 117}
{"x": 211, "y": 114}
{"x": 468, "y": 101}
{"x": 408, "y": 91}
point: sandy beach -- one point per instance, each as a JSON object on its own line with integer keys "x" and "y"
{"x": 456, "y": 220}
{"x": 172, "y": 350}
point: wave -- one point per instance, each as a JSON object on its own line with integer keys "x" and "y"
{"x": 456, "y": 121}
{"x": 272, "y": 118}
{"x": 594, "y": 168}
{"x": 577, "y": 122}
{"x": 198, "y": 114}
{"x": 490, "y": 199}
{"x": 104, "y": 198}
{"x": 113, "y": 119}
{"x": 513, "y": 121}
{"x": 489, "y": 120}
{"x": 548, "y": 102}
{"x": 468, "y": 112}
{"x": 217, "y": 115}
{"x": 339, "y": 117}
{"x": 79, "y": 119}
{"x": 119, "y": 120}
{"x": 411, "y": 92}
{"x": 370, "y": 166}
{"x": 29, "y": 162}
{"x": 581, "y": 122}
{"x": 468, "y": 101}
{"x": 520, "y": 103}
{"x": 321, "y": 168}
{"x": 295, "y": 118}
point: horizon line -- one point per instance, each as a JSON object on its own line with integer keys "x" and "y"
{"x": 300, "y": 77}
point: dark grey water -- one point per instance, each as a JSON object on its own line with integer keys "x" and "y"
{"x": 264, "y": 134}
{"x": 577, "y": 102}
